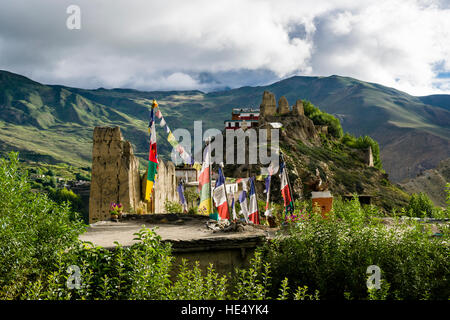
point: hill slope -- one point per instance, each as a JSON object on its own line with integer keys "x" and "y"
{"x": 55, "y": 123}
{"x": 431, "y": 182}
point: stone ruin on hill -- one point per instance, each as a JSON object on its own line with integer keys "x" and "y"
{"x": 297, "y": 125}
{"x": 116, "y": 177}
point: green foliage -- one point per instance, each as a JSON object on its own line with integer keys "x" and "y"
{"x": 33, "y": 229}
{"x": 64, "y": 195}
{"x": 82, "y": 177}
{"x": 193, "y": 210}
{"x": 323, "y": 118}
{"x": 137, "y": 272}
{"x": 191, "y": 195}
{"x": 420, "y": 205}
{"x": 353, "y": 212}
{"x": 364, "y": 142}
{"x": 381, "y": 293}
{"x": 191, "y": 284}
{"x": 331, "y": 255}
{"x": 173, "y": 207}
{"x": 253, "y": 283}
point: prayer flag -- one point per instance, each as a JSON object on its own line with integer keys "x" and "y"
{"x": 285, "y": 190}
{"x": 267, "y": 191}
{"x": 172, "y": 140}
{"x": 253, "y": 214}
{"x": 183, "y": 202}
{"x": 152, "y": 159}
{"x": 243, "y": 201}
{"x": 204, "y": 185}
{"x": 233, "y": 209}
{"x": 220, "y": 198}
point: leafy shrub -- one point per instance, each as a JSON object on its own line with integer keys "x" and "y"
{"x": 353, "y": 212}
{"x": 64, "y": 195}
{"x": 322, "y": 118}
{"x": 420, "y": 205}
{"x": 191, "y": 284}
{"x": 331, "y": 256}
{"x": 82, "y": 177}
{"x": 173, "y": 207}
{"x": 137, "y": 272}
{"x": 191, "y": 195}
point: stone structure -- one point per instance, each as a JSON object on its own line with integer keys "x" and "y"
{"x": 369, "y": 157}
{"x": 115, "y": 177}
{"x": 298, "y": 109}
{"x": 268, "y": 105}
{"x": 283, "y": 106}
{"x": 165, "y": 188}
{"x": 115, "y": 173}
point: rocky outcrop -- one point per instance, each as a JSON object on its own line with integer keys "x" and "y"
{"x": 115, "y": 174}
{"x": 283, "y": 106}
{"x": 322, "y": 129}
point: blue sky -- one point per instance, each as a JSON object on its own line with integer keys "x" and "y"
{"x": 212, "y": 45}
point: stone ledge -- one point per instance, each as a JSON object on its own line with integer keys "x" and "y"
{"x": 217, "y": 243}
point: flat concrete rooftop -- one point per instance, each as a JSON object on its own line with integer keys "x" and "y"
{"x": 185, "y": 232}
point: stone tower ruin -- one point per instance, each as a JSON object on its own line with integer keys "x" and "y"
{"x": 283, "y": 106}
{"x": 298, "y": 109}
{"x": 268, "y": 105}
{"x": 115, "y": 174}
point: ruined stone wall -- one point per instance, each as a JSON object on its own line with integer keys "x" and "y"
{"x": 116, "y": 178}
{"x": 115, "y": 174}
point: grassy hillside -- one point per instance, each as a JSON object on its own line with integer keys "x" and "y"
{"x": 55, "y": 123}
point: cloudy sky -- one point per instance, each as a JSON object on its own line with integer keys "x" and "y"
{"x": 210, "y": 45}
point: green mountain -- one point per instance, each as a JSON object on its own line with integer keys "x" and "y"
{"x": 55, "y": 123}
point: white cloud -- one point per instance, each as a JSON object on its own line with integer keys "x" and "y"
{"x": 167, "y": 45}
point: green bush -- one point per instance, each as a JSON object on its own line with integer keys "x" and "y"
{"x": 137, "y": 272}
{"x": 173, "y": 207}
{"x": 353, "y": 212}
{"x": 33, "y": 229}
{"x": 332, "y": 256}
{"x": 322, "y": 118}
{"x": 82, "y": 177}
{"x": 420, "y": 205}
{"x": 64, "y": 195}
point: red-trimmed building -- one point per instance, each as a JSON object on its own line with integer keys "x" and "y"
{"x": 242, "y": 118}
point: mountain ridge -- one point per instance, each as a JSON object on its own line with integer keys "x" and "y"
{"x": 65, "y": 116}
